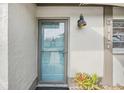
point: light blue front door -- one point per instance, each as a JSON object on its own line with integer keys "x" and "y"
{"x": 52, "y": 50}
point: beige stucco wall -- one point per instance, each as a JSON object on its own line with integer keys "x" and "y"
{"x": 3, "y": 46}
{"x": 86, "y": 46}
{"x": 22, "y": 46}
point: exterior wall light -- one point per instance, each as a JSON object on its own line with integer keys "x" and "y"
{"x": 81, "y": 22}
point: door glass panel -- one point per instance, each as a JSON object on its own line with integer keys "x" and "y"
{"x": 52, "y": 51}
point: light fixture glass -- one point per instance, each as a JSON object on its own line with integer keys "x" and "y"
{"x": 81, "y": 22}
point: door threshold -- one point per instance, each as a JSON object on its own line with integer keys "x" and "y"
{"x": 52, "y": 85}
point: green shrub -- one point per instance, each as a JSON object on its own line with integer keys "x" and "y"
{"x": 88, "y": 82}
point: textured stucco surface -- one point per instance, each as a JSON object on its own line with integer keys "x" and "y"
{"x": 22, "y": 46}
{"x": 3, "y": 46}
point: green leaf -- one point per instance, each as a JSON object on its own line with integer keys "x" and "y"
{"x": 94, "y": 78}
